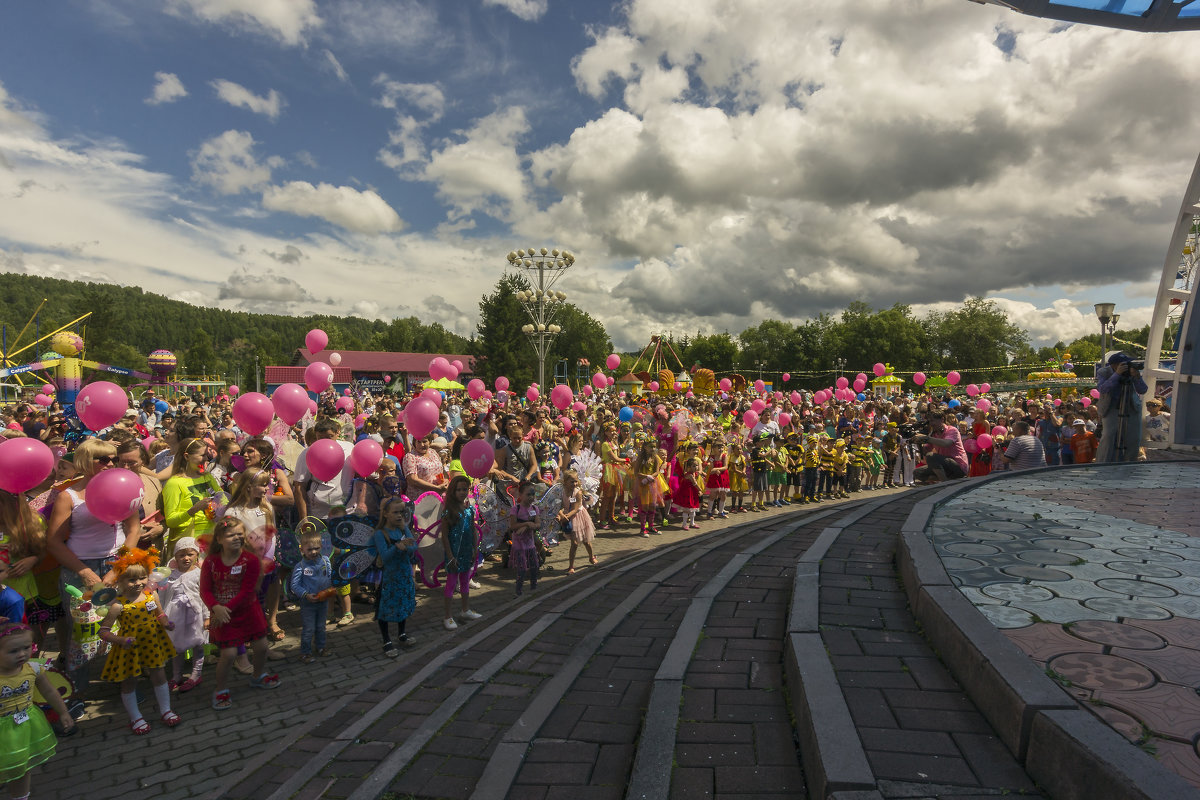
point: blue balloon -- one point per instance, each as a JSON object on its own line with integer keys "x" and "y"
{"x": 861, "y": 397}
{"x": 953, "y": 404}
{"x": 626, "y": 414}
{"x": 161, "y": 406}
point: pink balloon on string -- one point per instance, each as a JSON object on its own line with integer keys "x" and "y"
{"x": 578, "y": 406}
{"x": 983, "y": 404}
{"x": 972, "y": 389}
{"x": 531, "y": 394}
{"x": 879, "y": 369}
{"x": 1086, "y": 401}
{"x": 458, "y": 365}
{"x": 842, "y": 382}
{"x": 101, "y": 404}
{"x": 971, "y": 446}
{"x": 796, "y": 398}
{"x": 613, "y": 361}
{"x": 985, "y": 388}
{"x": 290, "y": 402}
{"x": 561, "y": 396}
{"x": 433, "y": 396}
{"x": 253, "y": 413}
{"x": 477, "y": 458}
{"x": 757, "y": 406}
{"x": 234, "y": 390}
{"x": 335, "y": 359}
{"x": 725, "y": 384}
{"x": 24, "y": 463}
{"x": 600, "y": 380}
{"x": 366, "y": 457}
{"x": 586, "y": 391}
{"x": 859, "y": 385}
{"x": 503, "y": 396}
{"x": 387, "y": 378}
{"x": 318, "y": 376}
{"x": 985, "y": 441}
{"x": 678, "y": 386}
{"x": 786, "y": 377}
{"x": 778, "y": 396}
{"x": 785, "y": 419}
{"x": 420, "y": 417}
{"x": 611, "y": 380}
{"x": 344, "y": 404}
{"x": 919, "y": 378}
{"x": 653, "y": 386}
{"x": 1095, "y": 393}
{"x": 315, "y": 340}
{"x": 43, "y": 400}
{"x": 1057, "y": 402}
{"x": 475, "y": 388}
{"x": 999, "y": 430}
{"x": 952, "y": 377}
{"x": 346, "y": 392}
{"x": 114, "y": 495}
{"x": 750, "y": 418}
{"x": 759, "y": 386}
{"x": 325, "y": 459}
{"x": 689, "y": 394}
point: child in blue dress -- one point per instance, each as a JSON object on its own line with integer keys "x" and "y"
{"x": 394, "y": 544}
{"x": 460, "y": 543}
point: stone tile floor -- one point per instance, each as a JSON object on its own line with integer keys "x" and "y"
{"x": 1095, "y": 574}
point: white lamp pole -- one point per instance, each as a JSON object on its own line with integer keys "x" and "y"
{"x": 544, "y": 268}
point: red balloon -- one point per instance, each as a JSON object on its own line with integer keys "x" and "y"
{"x": 24, "y": 463}
{"x": 114, "y": 495}
{"x": 325, "y": 459}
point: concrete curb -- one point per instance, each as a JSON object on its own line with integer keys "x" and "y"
{"x": 1065, "y": 749}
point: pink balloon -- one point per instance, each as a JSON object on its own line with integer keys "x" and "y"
{"x": 346, "y": 392}
{"x": 578, "y": 406}
{"x": 100, "y": 405}
{"x": 335, "y": 359}
{"x": 43, "y": 400}
{"x": 778, "y": 396}
{"x": 653, "y": 386}
{"x": 344, "y": 404}
{"x": 757, "y": 406}
{"x": 316, "y": 340}
{"x": 985, "y": 388}
{"x": 114, "y": 495}
{"x": 561, "y": 396}
{"x": 983, "y": 404}
{"x": 366, "y": 457}
{"x": 725, "y": 384}
{"x": 611, "y": 380}
{"x": 1095, "y": 393}
{"x": 318, "y": 376}
{"x": 586, "y": 391}
{"x": 1087, "y": 401}
{"x": 786, "y": 377}
{"x": 432, "y": 395}
{"x": 785, "y": 419}
{"x": 689, "y": 394}
{"x": 862, "y": 376}
{"x": 500, "y": 396}
{"x": 972, "y": 389}
{"x": 678, "y": 386}
{"x": 48, "y": 388}
{"x": 613, "y": 361}
{"x": 859, "y": 385}
{"x": 477, "y": 458}
{"x": 359, "y": 421}
{"x": 234, "y": 390}
{"x": 600, "y": 380}
{"x": 999, "y": 430}
{"x": 532, "y": 394}
{"x": 952, "y": 377}
{"x": 1057, "y": 403}
{"x": 622, "y": 394}
{"x": 842, "y": 382}
{"x": 759, "y": 386}
{"x": 439, "y": 368}
{"x": 475, "y": 388}
{"x": 387, "y": 378}
{"x": 750, "y": 419}
{"x": 879, "y": 369}
{"x": 24, "y": 463}
{"x": 458, "y": 365}
{"x": 290, "y": 402}
{"x": 796, "y": 398}
{"x": 919, "y": 378}
{"x": 985, "y": 441}
{"x": 325, "y": 459}
{"x": 312, "y": 407}
{"x": 971, "y": 446}
{"x": 565, "y": 422}
{"x": 501, "y": 384}
{"x": 421, "y": 416}
{"x": 253, "y": 413}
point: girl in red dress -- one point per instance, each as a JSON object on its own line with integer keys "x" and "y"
{"x": 229, "y": 587}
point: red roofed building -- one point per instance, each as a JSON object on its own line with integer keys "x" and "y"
{"x": 367, "y": 368}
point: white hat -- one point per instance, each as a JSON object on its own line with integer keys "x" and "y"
{"x": 187, "y": 543}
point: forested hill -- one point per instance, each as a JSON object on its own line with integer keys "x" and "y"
{"x": 127, "y": 324}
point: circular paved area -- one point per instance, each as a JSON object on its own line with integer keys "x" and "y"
{"x": 1095, "y": 573}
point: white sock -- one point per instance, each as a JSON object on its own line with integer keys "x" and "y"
{"x": 162, "y": 693}
{"x": 130, "y": 702}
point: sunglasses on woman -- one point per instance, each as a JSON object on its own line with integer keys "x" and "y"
{"x": 105, "y": 460}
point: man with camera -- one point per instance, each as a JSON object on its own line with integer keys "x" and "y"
{"x": 1121, "y": 388}
{"x": 947, "y": 458}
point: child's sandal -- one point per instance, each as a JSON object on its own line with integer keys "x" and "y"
{"x": 222, "y": 700}
{"x": 265, "y": 681}
{"x": 171, "y": 719}
{"x": 139, "y": 727}
{"x": 188, "y": 685}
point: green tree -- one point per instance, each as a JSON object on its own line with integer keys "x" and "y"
{"x": 976, "y": 335}
{"x": 499, "y": 347}
{"x": 717, "y": 351}
{"x": 583, "y": 336}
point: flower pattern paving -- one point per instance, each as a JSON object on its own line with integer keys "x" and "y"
{"x": 1095, "y": 574}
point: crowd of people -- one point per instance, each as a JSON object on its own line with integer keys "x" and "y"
{"x": 200, "y": 565}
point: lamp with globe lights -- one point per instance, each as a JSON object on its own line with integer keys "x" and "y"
{"x": 544, "y": 267}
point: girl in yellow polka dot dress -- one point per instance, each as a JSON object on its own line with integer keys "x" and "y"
{"x": 141, "y": 643}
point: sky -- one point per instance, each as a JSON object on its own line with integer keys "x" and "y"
{"x": 710, "y": 163}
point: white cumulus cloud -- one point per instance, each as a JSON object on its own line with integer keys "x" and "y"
{"x": 228, "y": 164}
{"x": 528, "y": 10}
{"x": 271, "y": 104}
{"x": 167, "y": 89}
{"x": 344, "y": 206}
{"x": 289, "y": 21}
